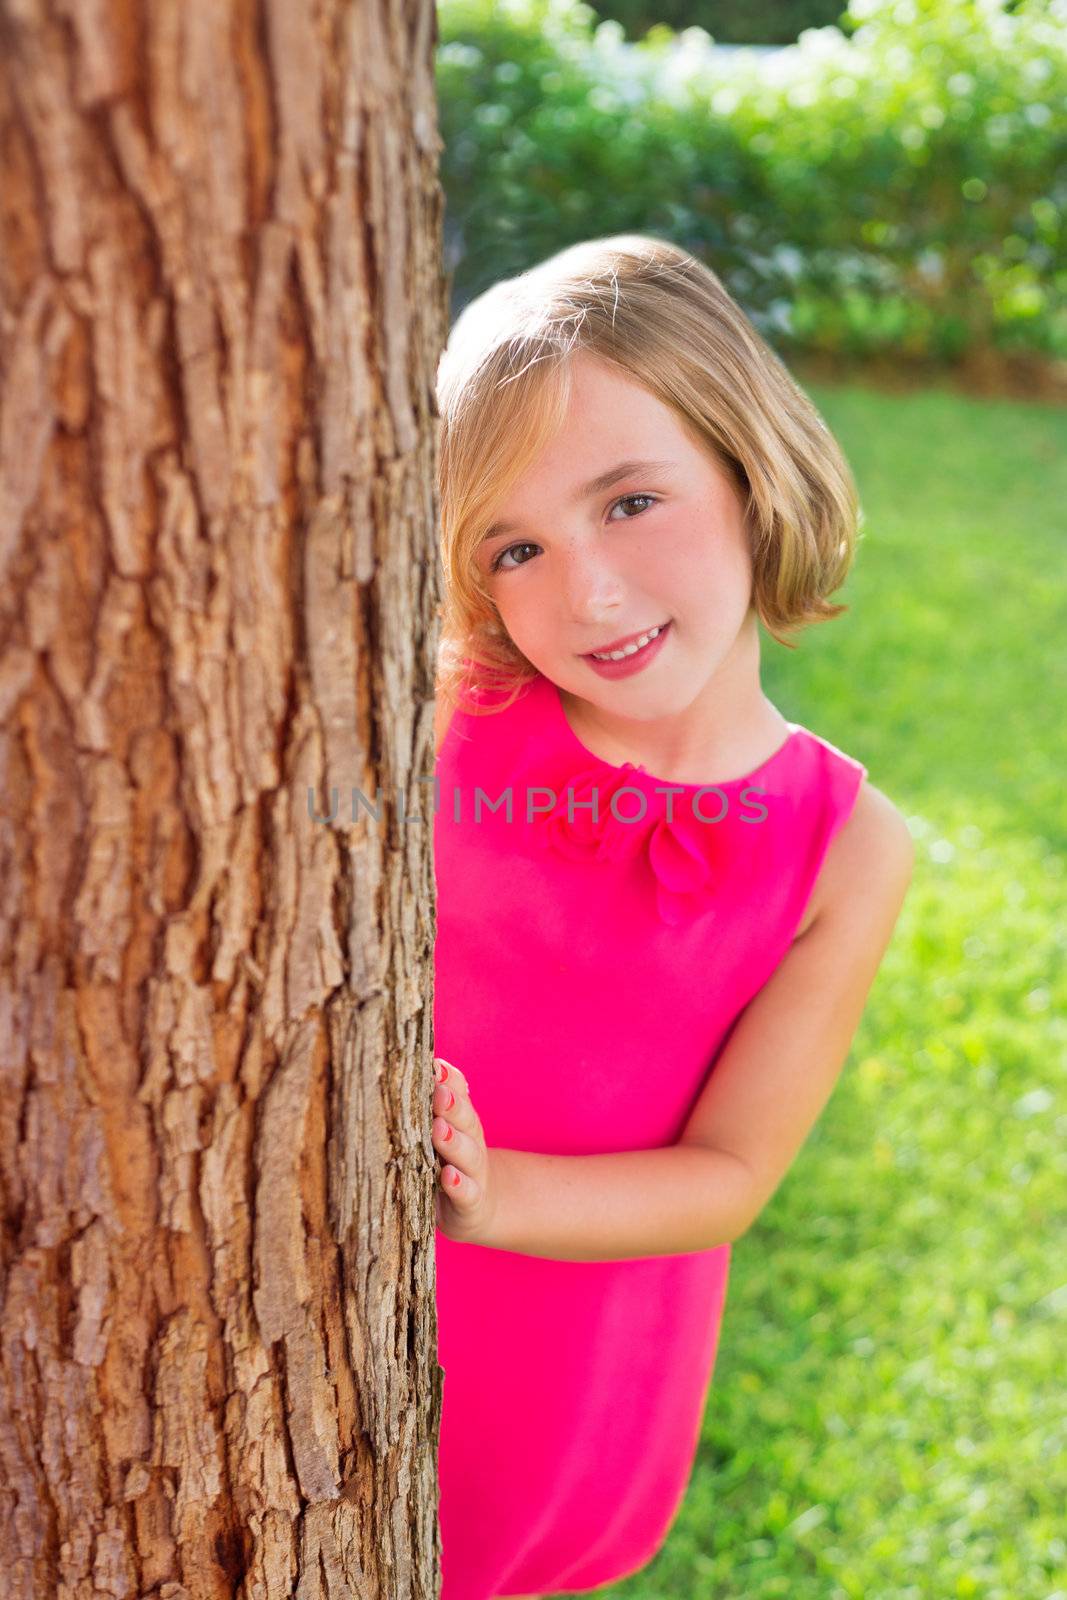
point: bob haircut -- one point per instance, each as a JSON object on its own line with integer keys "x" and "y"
{"x": 665, "y": 319}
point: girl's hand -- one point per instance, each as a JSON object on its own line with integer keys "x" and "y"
{"x": 463, "y": 1201}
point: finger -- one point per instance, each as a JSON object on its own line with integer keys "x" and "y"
{"x": 465, "y": 1151}
{"x": 460, "y": 1187}
{"x": 451, "y": 1100}
{"x": 454, "y": 1104}
{"x": 452, "y": 1074}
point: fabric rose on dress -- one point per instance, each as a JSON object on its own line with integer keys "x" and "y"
{"x": 570, "y": 827}
{"x": 680, "y": 860}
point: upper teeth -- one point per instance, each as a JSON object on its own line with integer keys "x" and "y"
{"x": 638, "y": 644}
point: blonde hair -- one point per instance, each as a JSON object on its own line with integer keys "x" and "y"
{"x": 664, "y": 318}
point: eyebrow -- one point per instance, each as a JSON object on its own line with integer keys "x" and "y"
{"x": 595, "y": 486}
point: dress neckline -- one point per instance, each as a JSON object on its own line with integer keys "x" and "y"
{"x": 559, "y": 711}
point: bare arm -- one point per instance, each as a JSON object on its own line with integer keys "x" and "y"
{"x": 769, "y": 1085}
{"x": 791, "y": 1042}
{"x": 616, "y": 1207}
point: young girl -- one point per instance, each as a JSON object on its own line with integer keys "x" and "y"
{"x": 660, "y": 904}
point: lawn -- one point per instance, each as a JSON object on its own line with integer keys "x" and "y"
{"x": 888, "y": 1415}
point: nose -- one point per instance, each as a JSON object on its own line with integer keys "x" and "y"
{"x": 592, "y": 590}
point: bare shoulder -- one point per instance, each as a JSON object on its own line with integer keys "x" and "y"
{"x": 876, "y": 839}
{"x": 870, "y": 860}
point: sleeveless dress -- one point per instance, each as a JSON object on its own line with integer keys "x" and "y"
{"x": 588, "y": 973}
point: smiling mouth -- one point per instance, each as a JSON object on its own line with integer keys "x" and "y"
{"x": 640, "y": 642}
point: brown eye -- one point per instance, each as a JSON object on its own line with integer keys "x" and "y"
{"x": 495, "y": 564}
{"x": 630, "y": 497}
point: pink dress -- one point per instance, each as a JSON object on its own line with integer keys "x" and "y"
{"x": 587, "y": 976}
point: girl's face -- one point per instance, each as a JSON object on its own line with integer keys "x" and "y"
{"x": 579, "y": 568}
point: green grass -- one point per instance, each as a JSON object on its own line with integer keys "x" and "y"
{"x": 888, "y": 1414}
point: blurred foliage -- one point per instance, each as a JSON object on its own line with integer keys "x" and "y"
{"x": 887, "y": 1418}
{"x": 900, "y": 186}
{"x": 728, "y": 21}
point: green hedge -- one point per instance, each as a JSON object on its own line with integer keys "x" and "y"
{"x": 730, "y": 21}
{"x": 899, "y": 187}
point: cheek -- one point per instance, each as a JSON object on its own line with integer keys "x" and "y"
{"x": 519, "y": 615}
{"x": 696, "y": 561}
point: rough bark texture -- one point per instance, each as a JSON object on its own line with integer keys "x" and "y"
{"x": 221, "y": 309}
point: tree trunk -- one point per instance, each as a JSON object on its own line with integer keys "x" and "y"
{"x": 221, "y": 310}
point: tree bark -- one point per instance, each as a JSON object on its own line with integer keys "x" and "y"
{"x": 221, "y": 310}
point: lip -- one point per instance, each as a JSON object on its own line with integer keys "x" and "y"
{"x": 631, "y": 664}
